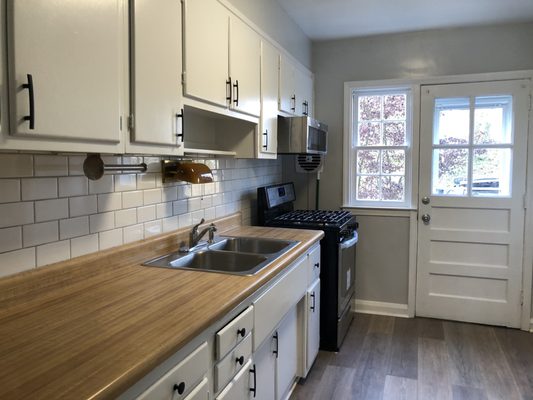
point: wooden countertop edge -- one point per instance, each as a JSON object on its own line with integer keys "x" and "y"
{"x": 23, "y": 291}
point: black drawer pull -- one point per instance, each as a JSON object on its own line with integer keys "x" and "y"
{"x": 240, "y": 360}
{"x": 29, "y": 86}
{"x": 317, "y": 265}
{"x": 179, "y": 387}
{"x": 241, "y": 332}
{"x": 277, "y": 344}
{"x": 254, "y": 389}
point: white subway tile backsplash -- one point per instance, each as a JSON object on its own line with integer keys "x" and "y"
{"x": 125, "y": 217}
{"x": 83, "y": 205}
{"x": 83, "y": 245}
{"x": 73, "y": 186}
{"x": 146, "y": 213}
{"x": 152, "y": 196}
{"x": 9, "y": 190}
{"x": 44, "y": 232}
{"x": 45, "y": 165}
{"x": 17, "y": 261}
{"x": 125, "y": 182}
{"x": 73, "y": 227}
{"x": 103, "y": 185}
{"x": 153, "y": 228}
{"x": 16, "y": 165}
{"x": 12, "y": 214}
{"x": 48, "y": 210}
{"x": 133, "y": 233}
{"x": 102, "y": 222}
{"x": 39, "y": 188}
{"x": 132, "y": 199}
{"x": 110, "y": 238}
{"x": 79, "y": 216}
{"x": 10, "y": 239}
{"x": 153, "y": 164}
{"x": 53, "y": 252}
{"x": 109, "y": 202}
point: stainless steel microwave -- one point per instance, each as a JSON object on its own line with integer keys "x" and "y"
{"x": 297, "y": 135}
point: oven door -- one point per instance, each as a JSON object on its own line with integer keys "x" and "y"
{"x": 346, "y": 272}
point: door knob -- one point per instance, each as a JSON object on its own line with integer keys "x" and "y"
{"x": 426, "y": 218}
{"x": 425, "y": 200}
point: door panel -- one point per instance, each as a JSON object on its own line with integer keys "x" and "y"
{"x": 471, "y": 211}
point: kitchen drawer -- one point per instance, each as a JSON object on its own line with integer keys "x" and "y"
{"x": 270, "y": 308}
{"x": 229, "y": 366}
{"x": 200, "y": 392}
{"x": 240, "y": 387}
{"x": 313, "y": 265}
{"x": 181, "y": 378}
{"x": 234, "y": 332}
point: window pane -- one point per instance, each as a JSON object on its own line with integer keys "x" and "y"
{"x": 368, "y": 161}
{"x": 393, "y": 188}
{"x": 394, "y": 106}
{"x": 452, "y": 121}
{"x": 490, "y": 120}
{"x": 369, "y": 108}
{"x": 367, "y": 188}
{"x": 394, "y": 133}
{"x": 369, "y": 134}
{"x": 393, "y": 162}
{"x": 491, "y": 171}
{"x": 450, "y": 172}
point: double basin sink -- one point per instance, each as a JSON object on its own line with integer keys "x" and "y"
{"x": 229, "y": 255}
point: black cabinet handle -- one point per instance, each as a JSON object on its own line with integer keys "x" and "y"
{"x": 180, "y": 116}
{"x": 313, "y": 297}
{"x": 265, "y": 134}
{"x": 236, "y": 87}
{"x": 305, "y": 108}
{"x": 276, "y": 337}
{"x": 240, "y": 360}
{"x": 241, "y": 332}
{"x": 228, "y": 90}
{"x": 293, "y": 105}
{"x": 29, "y": 86}
{"x": 179, "y": 387}
{"x": 254, "y": 389}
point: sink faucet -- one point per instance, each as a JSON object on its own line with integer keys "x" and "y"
{"x": 194, "y": 236}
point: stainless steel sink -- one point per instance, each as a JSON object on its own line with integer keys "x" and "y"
{"x": 253, "y": 245}
{"x": 229, "y": 255}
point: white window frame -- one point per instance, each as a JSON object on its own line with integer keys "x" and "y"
{"x": 411, "y": 145}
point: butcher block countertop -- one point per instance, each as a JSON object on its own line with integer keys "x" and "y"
{"x": 90, "y": 327}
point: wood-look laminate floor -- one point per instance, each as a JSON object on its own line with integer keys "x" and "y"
{"x": 426, "y": 359}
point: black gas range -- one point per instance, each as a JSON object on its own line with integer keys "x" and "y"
{"x": 337, "y": 276}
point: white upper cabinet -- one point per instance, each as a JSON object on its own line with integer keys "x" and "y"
{"x": 295, "y": 88}
{"x": 156, "y": 90}
{"x": 268, "y": 134}
{"x": 244, "y": 67}
{"x": 206, "y": 55}
{"x": 222, "y": 58}
{"x": 66, "y": 68}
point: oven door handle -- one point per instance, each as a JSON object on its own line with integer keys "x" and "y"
{"x": 350, "y": 242}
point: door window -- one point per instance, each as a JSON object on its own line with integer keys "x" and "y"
{"x": 472, "y": 146}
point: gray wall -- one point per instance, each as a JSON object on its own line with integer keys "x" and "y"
{"x": 381, "y": 275}
{"x": 272, "y": 19}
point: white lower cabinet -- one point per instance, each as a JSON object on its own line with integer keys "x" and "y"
{"x": 265, "y": 361}
{"x": 312, "y": 324}
{"x": 242, "y": 386}
{"x": 287, "y": 361}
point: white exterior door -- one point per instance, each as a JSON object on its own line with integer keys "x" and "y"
{"x": 471, "y": 206}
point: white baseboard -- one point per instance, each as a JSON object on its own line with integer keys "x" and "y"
{"x": 531, "y": 325}
{"x": 380, "y": 308}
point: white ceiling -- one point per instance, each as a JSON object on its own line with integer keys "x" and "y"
{"x": 333, "y": 19}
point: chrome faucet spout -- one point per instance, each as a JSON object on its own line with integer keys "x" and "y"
{"x": 194, "y": 236}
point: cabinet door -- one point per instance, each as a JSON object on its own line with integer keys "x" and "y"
{"x": 313, "y": 324}
{"x": 265, "y": 361}
{"x": 245, "y": 67}
{"x": 304, "y": 93}
{"x": 239, "y": 387}
{"x": 287, "y": 362}
{"x": 287, "y": 86}
{"x": 156, "y": 72}
{"x": 206, "y": 25}
{"x": 69, "y": 55}
{"x": 268, "y": 141}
